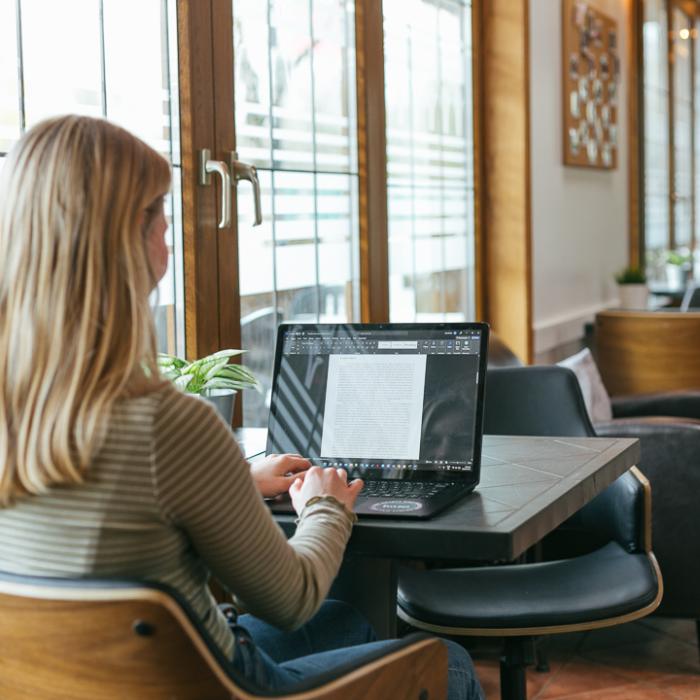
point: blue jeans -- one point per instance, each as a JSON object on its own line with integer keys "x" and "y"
{"x": 275, "y": 660}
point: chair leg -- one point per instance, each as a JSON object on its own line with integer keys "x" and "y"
{"x": 517, "y": 654}
{"x": 541, "y": 661}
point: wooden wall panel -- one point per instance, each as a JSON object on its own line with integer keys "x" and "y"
{"x": 504, "y": 170}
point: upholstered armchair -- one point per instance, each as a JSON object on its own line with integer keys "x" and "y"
{"x": 671, "y": 461}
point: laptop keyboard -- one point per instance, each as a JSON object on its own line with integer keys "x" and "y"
{"x": 391, "y": 488}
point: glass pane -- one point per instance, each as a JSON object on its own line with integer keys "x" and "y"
{"x": 138, "y": 74}
{"x": 119, "y": 61}
{"x": 429, "y": 159}
{"x": 696, "y": 218}
{"x": 9, "y": 79}
{"x": 295, "y": 84}
{"x": 62, "y": 69}
{"x": 656, "y": 136}
{"x": 682, "y": 129}
{"x": 295, "y": 120}
{"x": 141, "y": 94}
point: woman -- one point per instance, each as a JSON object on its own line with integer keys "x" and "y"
{"x": 108, "y": 471}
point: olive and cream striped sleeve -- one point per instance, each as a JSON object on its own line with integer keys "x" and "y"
{"x": 204, "y": 487}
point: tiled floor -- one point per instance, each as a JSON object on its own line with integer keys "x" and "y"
{"x": 652, "y": 659}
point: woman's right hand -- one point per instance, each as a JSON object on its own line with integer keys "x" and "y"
{"x": 325, "y": 482}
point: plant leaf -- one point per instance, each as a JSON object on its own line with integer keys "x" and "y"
{"x": 220, "y": 383}
{"x": 165, "y": 360}
{"x": 224, "y": 353}
{"x": 210, "y": 372}
{"x": 213, "y": 369}
{"x": 172, "y": 374}
{"x": 241, "y": 374}
{"x": 183, "y": 382}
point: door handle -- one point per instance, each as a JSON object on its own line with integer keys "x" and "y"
{"x": 208, "y": 166}
{"x": 245, "y": 171}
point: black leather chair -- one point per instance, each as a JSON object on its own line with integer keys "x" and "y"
{"x": 500, "y": 355}
{"x": 668, "y": 427}
{"x": 616, "y": 581}
{"x": 691, "y": 298}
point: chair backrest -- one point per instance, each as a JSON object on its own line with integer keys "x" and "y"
{"x": 500, "y": 355}
{"x": 115, "y": 640}
{"x": 642, "y": 352}
{"x": 540, "y": 400}
{"x": 547, "y": 401}
{"x": 87, "y": 640}
{"x": 691, "y": 298}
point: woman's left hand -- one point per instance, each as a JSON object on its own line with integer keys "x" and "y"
{"x": 276, "y": 473}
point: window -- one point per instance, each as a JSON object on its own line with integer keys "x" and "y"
{"x": 671, "y": 82}
{"x": 118, "y": 61}
{"x": 300, "y": 115}
{"x": 430, "y": 166}
{"x": 296, "y": 122}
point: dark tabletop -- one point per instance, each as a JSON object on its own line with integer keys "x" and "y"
{"x": 529, "y": 485}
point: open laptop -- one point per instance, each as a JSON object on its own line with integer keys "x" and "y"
{"x": 399, "y": 405}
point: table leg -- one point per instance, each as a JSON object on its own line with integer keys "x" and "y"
{"x": 369, "y": 585}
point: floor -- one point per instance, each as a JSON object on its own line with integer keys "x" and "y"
{"x": 650, "y": 659}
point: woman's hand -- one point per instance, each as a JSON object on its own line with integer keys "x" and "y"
{"x": 325, "y": 482}
{"x": 276, "y": 473}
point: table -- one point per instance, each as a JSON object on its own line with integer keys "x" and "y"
{"x": 529, "y": 485}
{"x": 673, "y": 293}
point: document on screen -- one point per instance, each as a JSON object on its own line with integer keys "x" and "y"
{"x": 374, "y": 406}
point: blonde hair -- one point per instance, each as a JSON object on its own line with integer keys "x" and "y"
{"x": 76, "y": 330}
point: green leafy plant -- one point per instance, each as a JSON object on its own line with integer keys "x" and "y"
{"x": 207, "y": 373}
{"x": 631, "y": 275}
{"x": 673, "y": 257}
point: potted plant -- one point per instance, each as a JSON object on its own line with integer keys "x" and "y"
{"x": 632, "y": 288}
{"x": 210, "y": 377}
{"x": 677, "y": 267}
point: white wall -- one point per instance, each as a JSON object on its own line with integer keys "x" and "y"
{"x": 579, "y": 215}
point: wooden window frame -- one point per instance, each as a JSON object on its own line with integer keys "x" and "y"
{"x": 636, "y": 120}
{"x": 212, "y": 299}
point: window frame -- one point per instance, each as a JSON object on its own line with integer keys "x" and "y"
{"x": 638, "y": 173}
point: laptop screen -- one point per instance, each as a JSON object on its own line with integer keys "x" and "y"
{"x": 399, "y": 399}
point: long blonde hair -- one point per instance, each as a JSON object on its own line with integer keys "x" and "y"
{"x": 76, "y": 330}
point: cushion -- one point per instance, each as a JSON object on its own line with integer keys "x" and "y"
{"x": 595, "y": 395}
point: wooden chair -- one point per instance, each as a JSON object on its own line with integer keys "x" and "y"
{"x": 92, "y": 640}
{"x": 641, "y": 352}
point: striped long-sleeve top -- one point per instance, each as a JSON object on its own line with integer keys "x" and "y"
{"x": 169, "y": 498}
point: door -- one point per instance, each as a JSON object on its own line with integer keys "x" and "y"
{"x": 285, "y": 104}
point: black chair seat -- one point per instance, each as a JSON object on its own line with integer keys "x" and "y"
{"x": 606, "y": 583}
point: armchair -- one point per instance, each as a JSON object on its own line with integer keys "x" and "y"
{"x": 642, "y": 352}
{"x": 87, "y": 639}
{"x": 669, "y": 434}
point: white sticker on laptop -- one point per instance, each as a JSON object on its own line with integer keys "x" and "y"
{"x": 396, "y": 506}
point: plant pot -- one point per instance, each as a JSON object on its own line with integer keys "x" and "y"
{"x": 222, "y": 400}
{"x": 675, "y": 276}
{"x": 633, "y": 296}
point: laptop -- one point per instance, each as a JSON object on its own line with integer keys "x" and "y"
{"x": 398, "y": 405}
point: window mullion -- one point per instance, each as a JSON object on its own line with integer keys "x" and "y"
{"x": 371, "y": 129}
{"x": 20, "y": 69}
